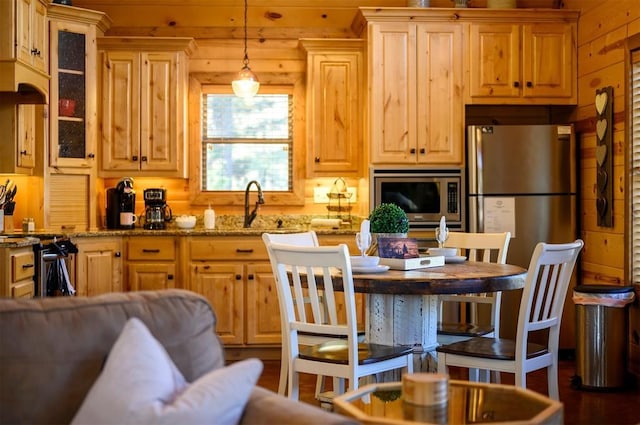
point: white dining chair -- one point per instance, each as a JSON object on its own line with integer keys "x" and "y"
{"x": 321, "y": 272}
{"x": 486, "y": 247}
{"x": 299, "y": 239}
{"x": 541, "y": 306}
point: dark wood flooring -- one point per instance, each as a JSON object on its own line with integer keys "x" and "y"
{"x": 580, "y": 406}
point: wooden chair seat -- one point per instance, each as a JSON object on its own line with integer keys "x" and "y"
{"x": 491, "y": 348}
{"x": 464, "y": 329}
{"x": 336, "y": 351}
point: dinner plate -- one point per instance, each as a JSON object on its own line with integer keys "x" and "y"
{"x": 455, "y": 259}
{"x": 375, "y": 269}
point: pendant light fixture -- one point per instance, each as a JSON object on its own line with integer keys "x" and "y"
{"x": 246, "y": 83}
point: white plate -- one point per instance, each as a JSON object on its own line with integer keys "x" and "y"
{"x": 454, "y": 259}
{"x": 376, "y": 269}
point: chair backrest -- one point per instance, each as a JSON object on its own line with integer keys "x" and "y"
{"x": 300, "y": 239}
{"x": 545, "y": 289}
{"x": 313, "y": 270}
{"x": 486, "y": 247}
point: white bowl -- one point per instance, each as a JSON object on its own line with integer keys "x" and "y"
{"x": 366, "y": 261}
{"x": 186, "y": 221}
{"x": 447, "y": 252}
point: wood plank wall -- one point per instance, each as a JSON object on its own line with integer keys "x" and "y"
{"x": 602, "y": 29}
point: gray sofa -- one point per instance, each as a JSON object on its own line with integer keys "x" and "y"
{"x": 52, "y": 350}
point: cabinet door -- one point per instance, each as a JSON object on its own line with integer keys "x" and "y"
{"x": 26, "y": 141}
{"x": 73, "y": 115}
{"x": 151, "y": 276}
{"x": 548, "y": 65}
{"x": 439, "y": 104}
{"x": 98, "y": 266}
{"x": 494, "y": 67}
{"x": 161, "y": 124}
{"x": 31, "y": 20}
{"x": 392, "y": 86}
{"x": 222, "y": 285}
{"x": 334, "y": 96}
{"x": 263, "y": 311}
{"x": 39, "y": 37}
{"x": 120, "y": 138}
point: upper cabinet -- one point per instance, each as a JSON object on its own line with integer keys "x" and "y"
{"x": 144, "y": 86}
{"x": 532, "y": 63}
{"x": 415, "y": 80}
{"x": 335, "y": 70}
{"x": 73, "y": 115}
{"x": 18, "y": 125}
{"x": 24, "y": 46}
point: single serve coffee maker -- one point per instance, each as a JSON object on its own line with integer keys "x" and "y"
{"x": 121, "y": 205}
{"x": 156, "y": 212}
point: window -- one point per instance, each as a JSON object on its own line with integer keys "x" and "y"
{"x": 233, "y": 142}
{"x": 633, "y": 193}
{"x": 246, "y": 140}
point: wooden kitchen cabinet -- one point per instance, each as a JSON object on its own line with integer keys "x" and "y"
{"x": 335, "y": 71}
{"x": 24, "y": 47}
{"x": 98, "y": 265}
{"x": 144, "y": 84}
{"x": 18, "y": 123}
{"x": 235, "y": 275}
{"x": 151, "y": 263}
{"x": 73, "y": 115}
{"x": 416, "y": 93}
{"x": 17, "y": 269}
{"x": 532, "y": 63}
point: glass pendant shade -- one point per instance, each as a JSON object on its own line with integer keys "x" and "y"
{"x": 246, "y": 83}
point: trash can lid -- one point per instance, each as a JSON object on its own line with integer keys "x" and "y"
{"x": 603, "y": 289}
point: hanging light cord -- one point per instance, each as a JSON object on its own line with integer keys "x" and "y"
{"x": 245, "y": 61}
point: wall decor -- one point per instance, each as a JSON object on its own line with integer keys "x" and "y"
{"x": 604, "y": 156}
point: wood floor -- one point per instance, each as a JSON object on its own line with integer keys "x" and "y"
{"x": 580, "y": 406}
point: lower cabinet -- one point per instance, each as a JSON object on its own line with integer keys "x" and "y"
{"x": 234, "y": 274}
{"x": 98, "y": 265}
{"x": 151, "y": 262}
{"x": 16, "y": 272}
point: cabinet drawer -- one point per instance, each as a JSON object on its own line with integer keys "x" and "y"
{"x": 151, "y": 248}
{"x": 228, "y": 248}
{"x": 23, "y": 290}
{"x": 22, "y": 265}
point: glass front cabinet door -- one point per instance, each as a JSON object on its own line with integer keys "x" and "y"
{"x": 73, "y": 98}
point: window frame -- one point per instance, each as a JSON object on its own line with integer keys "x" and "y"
{"x": 631, "y": 231}
{"x": 197, "y": 196}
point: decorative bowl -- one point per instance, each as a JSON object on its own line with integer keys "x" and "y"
{"x": 186, "y": 221}
{"x": 447, "y": 252}
{"x": 364, "y": 261}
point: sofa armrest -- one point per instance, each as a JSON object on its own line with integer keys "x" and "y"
{"x": 267, "y": 407}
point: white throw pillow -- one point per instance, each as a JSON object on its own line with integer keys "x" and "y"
{"x": 140, "y": 384}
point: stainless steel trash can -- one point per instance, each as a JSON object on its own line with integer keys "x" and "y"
{"x": 601, "y": 335}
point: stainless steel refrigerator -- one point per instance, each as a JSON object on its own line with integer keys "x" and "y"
{"x": 523, "y": 179}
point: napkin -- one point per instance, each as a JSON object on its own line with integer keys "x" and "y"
{"x": 365, "y": 233}
{"x": 443, "y": 225}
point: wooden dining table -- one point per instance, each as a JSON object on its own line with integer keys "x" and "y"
{"x": 402, "y": 306}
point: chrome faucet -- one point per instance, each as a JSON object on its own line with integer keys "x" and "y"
{"x": 249, "y": 217}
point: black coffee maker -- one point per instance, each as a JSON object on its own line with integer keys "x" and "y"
{"x": 157, "y": 213}
{"x": 121, "y": 205}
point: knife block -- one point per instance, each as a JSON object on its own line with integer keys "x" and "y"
{"x": 8, "y": 223}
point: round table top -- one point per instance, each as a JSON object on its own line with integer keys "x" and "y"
{"x": 463, "y": 278}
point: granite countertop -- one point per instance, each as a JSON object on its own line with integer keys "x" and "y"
{"x": 225, "y": 226}
{"x": 18, "y": 242}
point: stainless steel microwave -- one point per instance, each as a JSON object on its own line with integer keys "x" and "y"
{"x": 424, "y": 194}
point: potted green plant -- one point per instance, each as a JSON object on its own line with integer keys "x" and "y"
{"x": 387, "y": 221}
{"x": 389, "y": 218}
